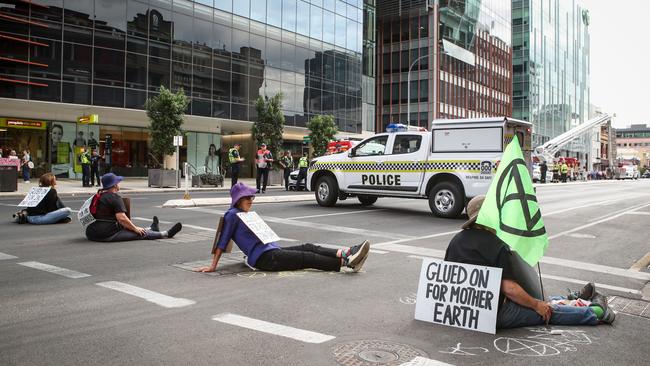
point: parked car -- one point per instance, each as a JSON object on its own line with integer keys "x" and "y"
{"x": 537, "y": 174}
{"x": 646, "y": 174}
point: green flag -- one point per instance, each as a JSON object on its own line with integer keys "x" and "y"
{"x": 511, "y": 208}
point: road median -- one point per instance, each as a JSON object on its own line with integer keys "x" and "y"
{"x": 198, "y": 202}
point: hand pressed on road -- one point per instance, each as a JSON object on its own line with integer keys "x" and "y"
{"x": 205, "y": 269}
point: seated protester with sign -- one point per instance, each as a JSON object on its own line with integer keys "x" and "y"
{"x": 479, "y": 245}
{"x": 271, "y": 257}
{"x": 50, "y": 210}
{"x": 111, "y": 221}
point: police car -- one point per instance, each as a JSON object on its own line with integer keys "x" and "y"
{"x": 448, "y": 165}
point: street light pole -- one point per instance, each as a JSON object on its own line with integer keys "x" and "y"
{"x": 408, "y": 86}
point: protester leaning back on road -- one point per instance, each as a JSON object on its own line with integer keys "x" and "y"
{"x": 271, "y": 257}
{"x": 286, "y": 162}
{"x": 235, "y": 163}
{"x": 303, "y": 166}
{"x": 112, "y": 223}
{"x": 50, "y": 210}
{"x": 477, "y": 244}
{"x": 263, "y": 160}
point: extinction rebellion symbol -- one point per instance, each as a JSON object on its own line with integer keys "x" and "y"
{"x": 512, "y": 174}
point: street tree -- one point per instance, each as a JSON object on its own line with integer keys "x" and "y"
{"x": 270, "y": 123}
{"x": 165, "y": 113}
{"x": 322, "y": 130}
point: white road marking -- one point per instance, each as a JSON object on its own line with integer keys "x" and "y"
{"x": 417, "y": 238}
{"x": 408, "y": 249}
{"x": 617, "y": 215}
{"x": 8, "y": 205}
{"x": 272, "y": 328}
{"x": 598, "y": 285}
{"x": 54, "y": 269}
{"x": 4, "y": 256}
{"x": 151, "y": 296}
{"x": 336, "y": 214}
{"x": 423, "y": 361}
{"x": 638, "y": 213}
{"x": 334, "y": 246}
{"x": 599, "y": 203}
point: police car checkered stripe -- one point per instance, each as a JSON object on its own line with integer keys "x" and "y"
{"x": 402, "y": 166}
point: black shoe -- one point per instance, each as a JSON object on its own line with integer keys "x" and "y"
{"x": 154, "y": 224}
{"x": 357, "y": 256}
{"x": 608, "y": 314}
{"x": 258, "y": 191}
{"x": 174, "y": 230}
{"x": 263, "y": 191}
{"x": 65, "y": 220}
{"x": 586, "y": 293}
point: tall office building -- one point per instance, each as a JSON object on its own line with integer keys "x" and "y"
{"x": 61, "y": 59}
{"x": 459, "y": 55}
{"x": 550, "y": 42}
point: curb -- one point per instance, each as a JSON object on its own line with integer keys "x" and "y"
{"x": 199, "y": 202}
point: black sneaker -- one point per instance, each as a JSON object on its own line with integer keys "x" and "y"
{"x": 357, "y": 254}
{"x": 586, "y": 293}
{"x": 601, "y": 300}
{"x": 174, "y": 230}
{"x": 608, "y": 316}
{"x": 154, "y": 224}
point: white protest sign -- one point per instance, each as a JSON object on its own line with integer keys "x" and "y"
{"x": 258, "y": 227}
{"x": 458, "y": 295}
{"x": 34, "y": 197}
{"x": 84, "y": 216}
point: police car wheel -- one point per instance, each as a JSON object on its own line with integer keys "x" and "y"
{"x": 327, "y": 191}
{"x": 445, "y": 200}
{"x": 367, "y": 200}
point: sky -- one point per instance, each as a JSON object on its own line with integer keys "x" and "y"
{"x": 620, "y": 59}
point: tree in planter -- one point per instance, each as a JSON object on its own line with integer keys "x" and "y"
{"x": 270, "y": 123}
{"x": 165, "y": 113}
{"x": 322, "y": 130}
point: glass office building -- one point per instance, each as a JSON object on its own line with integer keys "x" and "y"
{"x": 66, "y": 58}
{"x": 551, "y": 68}
{"x": 459, "y": 55}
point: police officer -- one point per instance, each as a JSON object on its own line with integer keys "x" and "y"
{"x": 303, "y": 165}
{"x": 263, "y": 159}
{"x": 235, "y": 163}
{"x": 564, "y": 169}
{"x": 95, "y": 159}
{"x": 85, "y": 167}
{"x": 286, "y": 162}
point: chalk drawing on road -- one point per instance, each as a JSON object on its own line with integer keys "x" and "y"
{"x": 465, "y": 351}
{"x": 524, "y": 347}
{"x": 408, "y": 299}
{"x": 252, "y": 274}
{"x": 291, "y": 273}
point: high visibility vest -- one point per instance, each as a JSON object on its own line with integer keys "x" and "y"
{"x": 564, "y": 168}
{"x": 303, "y": 163}
{"x": 84, "y": 159}
{"x": 231, "y": 156}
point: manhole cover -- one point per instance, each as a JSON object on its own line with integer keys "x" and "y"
{"x": 374, "y": 352}
{"x": 629, "y": 306}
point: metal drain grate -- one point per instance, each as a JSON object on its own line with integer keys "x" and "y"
{"x": 228, "y": 264}
{"x": 629, "y": 306}
{"x": 374, "y": 352}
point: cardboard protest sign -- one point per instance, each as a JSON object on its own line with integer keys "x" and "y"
{"x": 84, "y": 216}
{"x": 218, "y": 235}
{"x": 34, "y": 197}
{"x": 258, "y": 227}
{"x": 458, "y": 295}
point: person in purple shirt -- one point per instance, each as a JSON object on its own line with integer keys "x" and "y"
{"x": 271, "y": 257}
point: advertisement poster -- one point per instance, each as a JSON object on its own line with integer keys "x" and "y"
{"x": 61, "y": 137}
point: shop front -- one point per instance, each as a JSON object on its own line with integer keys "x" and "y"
{"x": 21, "y": 134}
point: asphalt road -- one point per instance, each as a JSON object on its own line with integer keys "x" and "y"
{"x": 131, "y": 303}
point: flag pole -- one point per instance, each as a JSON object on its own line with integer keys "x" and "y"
{"x": 539, "y": 271}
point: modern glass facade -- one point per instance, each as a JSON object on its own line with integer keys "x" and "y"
{"x": 551, "y": 66}
{"x": 224, "y": 54}
{"x": 459, "y": 53}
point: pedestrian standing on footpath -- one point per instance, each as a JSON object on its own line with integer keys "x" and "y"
{"x": 112, "y": 223}
{"x": 271, "y": 257}
{"x": 303, "y": 165}
{"x": 235, "y": 163}
{"x": 286, "y": 162}
{"x": 542, "y": 170}
{"x": 564, "y": 169}
{"x": 95, "y": 161}
{"x": 478, "y": 245}
{"x": 84, "y": 157}
{"x": 49, "y": 211}
{"x": 27, "y": 165}
{"x": 263, "y": 160}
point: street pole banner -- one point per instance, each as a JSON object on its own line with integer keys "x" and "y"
{"x": 34, "y": 197}
{"x": 258, "y": 227}
{"x": 458, "y": 295}
{"x": 511, "y": 208}
{"x": 84, "y": 216}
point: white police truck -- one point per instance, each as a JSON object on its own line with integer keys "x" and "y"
{"x": 449, "y": 165}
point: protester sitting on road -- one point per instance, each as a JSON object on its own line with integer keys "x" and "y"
{"x": 49, "y": 211}
{"x": 271, "y": 257}
{"x": 112, "y": 223}
{"x": 479, "y": 245}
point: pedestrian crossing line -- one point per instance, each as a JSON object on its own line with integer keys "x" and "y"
{"x": 4, "y": 256}
{"x": 336, "y": 214}
{"x": 54, "y": 269}
{"x": 302, "y": 335}
{"x": 638, "y": 213}
{"x": 423, "y": 361}
{"x": 148, "y": 295}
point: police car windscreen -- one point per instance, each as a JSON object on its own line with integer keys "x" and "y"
{"x": 468, "y": 139}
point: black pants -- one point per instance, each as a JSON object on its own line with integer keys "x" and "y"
{"x": 234, "y": 174}
{"x": 94, "y": 173}
{"x": 262, "y": 173}
{"x": 542, "y": 177}
{"x": 85, "y": 174}
{"x": 299, "y": 257}
{"x": 302, "y": 174}
{"x": 287, "y": 172}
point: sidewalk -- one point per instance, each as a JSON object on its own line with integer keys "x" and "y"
{"x": 67, "y": 187}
